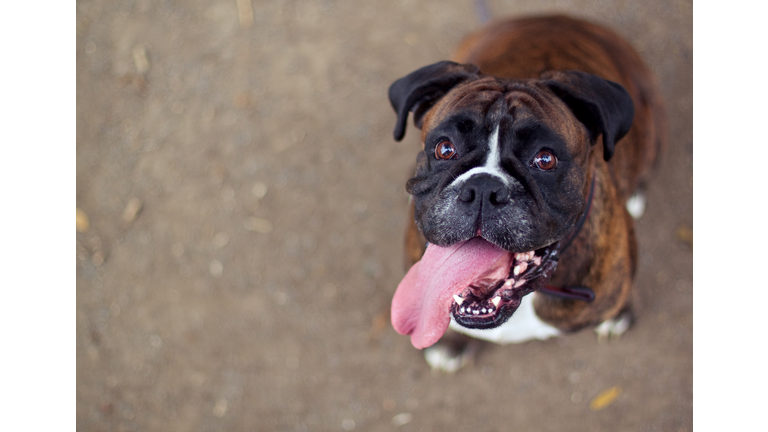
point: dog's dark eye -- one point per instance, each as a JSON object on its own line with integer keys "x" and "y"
{"x": 445, "y": 150}
{"x": 545, "y": 160}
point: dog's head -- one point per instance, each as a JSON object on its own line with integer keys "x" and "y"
{"x": 502, "y": 175}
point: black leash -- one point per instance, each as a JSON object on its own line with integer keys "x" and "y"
{"x": 574, "y": 293}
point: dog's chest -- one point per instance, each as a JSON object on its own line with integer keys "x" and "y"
{"x": 522, "y": 326}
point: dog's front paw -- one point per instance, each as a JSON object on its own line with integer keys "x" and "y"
{"x": 449, "y": 356}
{"x": 614, "y": 327}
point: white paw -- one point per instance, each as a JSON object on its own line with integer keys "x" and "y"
{"x": 636, "y": 205}
{"x": 614, "y": 327}
{"x": 445, "y": 359}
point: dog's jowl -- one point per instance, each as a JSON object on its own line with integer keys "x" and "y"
{"x": 533, "y": 140}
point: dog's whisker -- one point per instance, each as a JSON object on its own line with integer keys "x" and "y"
{"x": 450, "y": 173}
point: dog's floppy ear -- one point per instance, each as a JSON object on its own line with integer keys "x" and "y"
{"x": 603, "y": 106}
{"x": 420, "y": 90}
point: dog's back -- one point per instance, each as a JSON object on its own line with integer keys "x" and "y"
{"x": 526, "y": 48}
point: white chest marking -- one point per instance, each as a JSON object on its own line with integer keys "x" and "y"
{"x": 492, "y": 164}
{"x": 522, "y": 326}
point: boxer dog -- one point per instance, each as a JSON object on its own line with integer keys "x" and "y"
{"x": 534, "y": 139}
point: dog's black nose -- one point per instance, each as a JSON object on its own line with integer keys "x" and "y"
{"x": 484, "y": 189}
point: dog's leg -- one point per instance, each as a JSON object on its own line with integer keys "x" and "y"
{"x": 615, "y": 327}
{"x": 452, "y": 352}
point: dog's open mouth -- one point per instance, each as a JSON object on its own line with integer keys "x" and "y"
{"x": 478, "y": 283}
{"x": 488, "y": 303}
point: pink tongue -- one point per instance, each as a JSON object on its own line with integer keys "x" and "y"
{"x": 422, "y": 302}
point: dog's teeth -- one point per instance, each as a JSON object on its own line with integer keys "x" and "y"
{"x": 496, "y": 300}
{"x": 522, "y": 266}
{"x": 516, "y": 271}
{"x": 458, "y": 299}
{"x": 462, "y": 310}
{"x": 524, "y": 256}
{"x": 509, "y": 283}
{"x": 484, "y": 310}
{"x": 476, "y": 312}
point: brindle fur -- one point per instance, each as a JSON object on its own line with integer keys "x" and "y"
{"x": 604, "y": 255}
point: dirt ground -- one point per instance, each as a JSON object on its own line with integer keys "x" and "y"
{"x": 245, "y": 207}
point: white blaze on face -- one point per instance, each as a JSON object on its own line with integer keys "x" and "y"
{"x": 492, "y": 163}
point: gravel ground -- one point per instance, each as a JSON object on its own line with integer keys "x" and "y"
{"x": 243, "y": 206}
